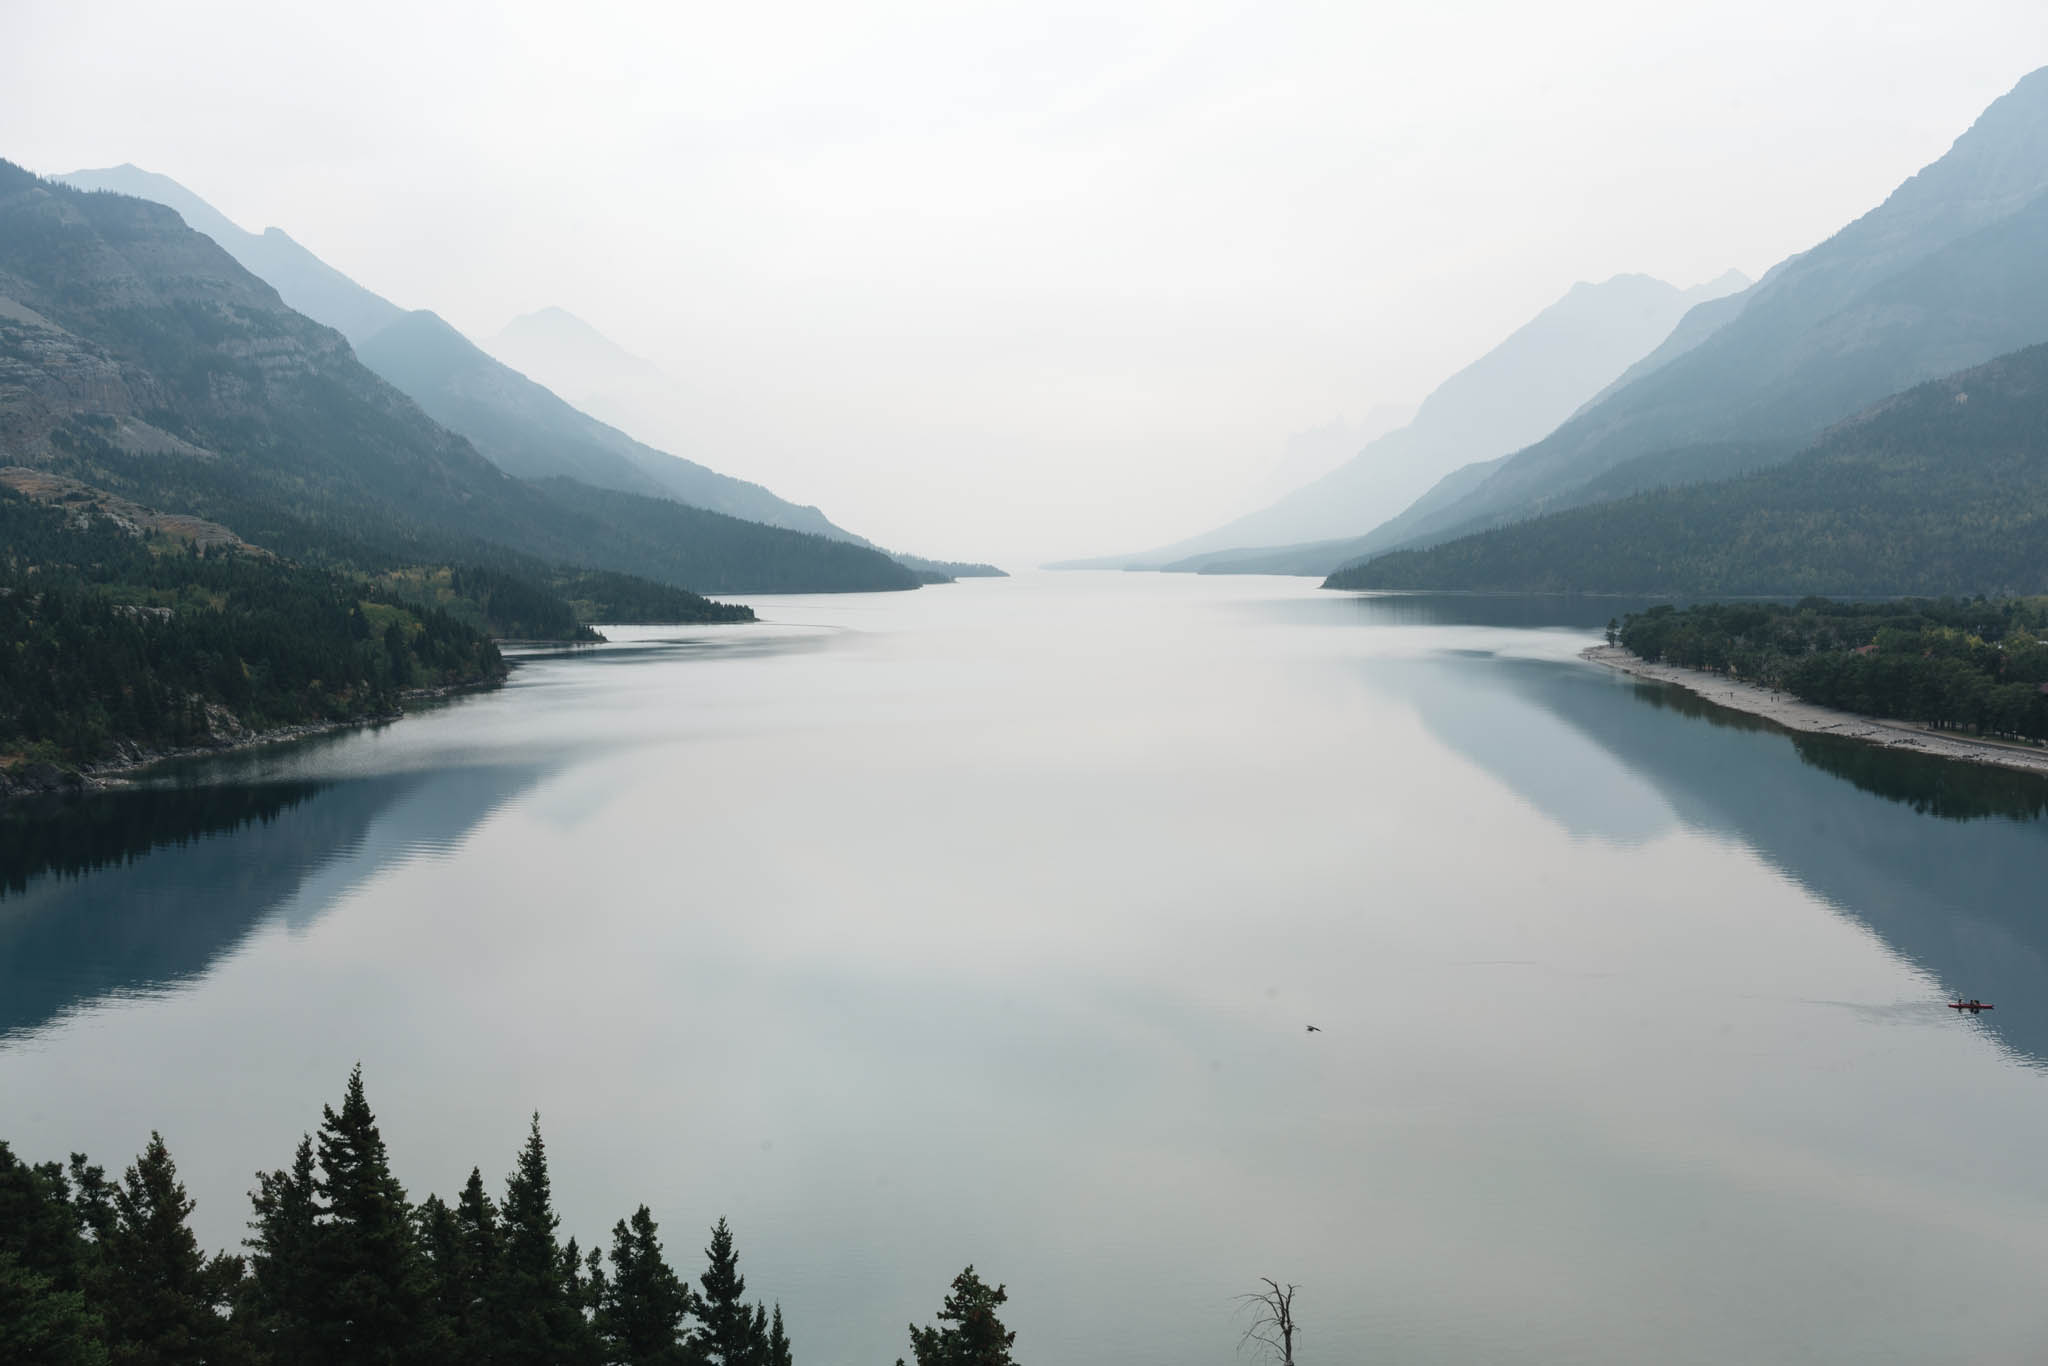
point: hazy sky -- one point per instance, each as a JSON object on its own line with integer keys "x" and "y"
{"x": 1018, "y": 280}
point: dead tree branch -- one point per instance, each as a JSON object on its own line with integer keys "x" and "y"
{"x": 1272, "y": 1329}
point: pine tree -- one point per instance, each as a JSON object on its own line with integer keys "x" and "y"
{"x": 976, "y": 1336}
{"x": 92, "y": 1196}
{"x": 42, "y": 1324}
{"x": 478, "y": 1245}
{"x": 372, "y": 1302}
{"x": 44, "y": 1261}
{"x": 161, "y": 1298}
{"x": 778, "y": 1341}
{"x": 732, "y": 1334}
{"x": 441, "y": 1260}
{"x": 279, "y": 1303}
{"x": 593, "y": 1285}
{"x": 539, "y": 1321}
{"x": 644, "y": 1306}
{"x": 585, "y": 1280}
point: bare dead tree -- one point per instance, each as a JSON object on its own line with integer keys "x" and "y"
{"x": 1272, "y": 1328}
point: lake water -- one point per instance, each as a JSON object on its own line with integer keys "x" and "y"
{"x": 984, "y": 923}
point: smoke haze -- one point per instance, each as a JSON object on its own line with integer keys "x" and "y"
{"x": 1024, "y": 281}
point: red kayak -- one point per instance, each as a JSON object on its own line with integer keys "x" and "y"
{"x": 1972, "y": 1006}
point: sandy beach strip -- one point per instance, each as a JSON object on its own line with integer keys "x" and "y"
{"x": 1793, "y": 714}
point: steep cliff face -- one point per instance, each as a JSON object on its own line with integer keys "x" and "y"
{"x": 48, "y": 375}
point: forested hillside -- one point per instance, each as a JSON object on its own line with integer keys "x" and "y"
{"x": 1942, "y": 490}
{"x": 111, "y": 644}
{"x": 137, "y": 356}
{"x": 119, "y": 638}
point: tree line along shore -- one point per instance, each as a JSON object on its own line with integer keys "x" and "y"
{"x": 1975, "y": 670}
{"x": 342, "y": 1269}
{"x": 121, "y": 640}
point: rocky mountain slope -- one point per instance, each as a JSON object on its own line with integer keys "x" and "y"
{"x": 139, "y": 357}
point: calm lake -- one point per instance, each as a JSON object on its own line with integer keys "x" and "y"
{"x": 984, "y": 924}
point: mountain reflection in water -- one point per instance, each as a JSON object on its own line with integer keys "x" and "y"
{"x": 982, "y": 923}
{"x": 1850, "y": 823}
{"x": 132, "y": 891}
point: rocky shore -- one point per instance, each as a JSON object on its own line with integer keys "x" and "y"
{"x": 1794, "y": 714}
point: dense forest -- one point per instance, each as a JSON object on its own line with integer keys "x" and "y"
{"x": 1941, "y": 490}
{"x": 114, "y": 641}
{"x": 1981, "y": 665}
{"x": 552, "y": 604}
{"x": 342, "y": 1269}
{"x": 109, "y": 639}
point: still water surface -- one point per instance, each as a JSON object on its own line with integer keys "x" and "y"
{"x": 983, "y": 924}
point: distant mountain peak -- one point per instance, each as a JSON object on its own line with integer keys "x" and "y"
{"x": 567, "y": 354}
{"x": 1512, "y": 394}
{"x": 1730, "y": 281}
{"x": 556, "y": 326}
{"x": 551, "y": 314}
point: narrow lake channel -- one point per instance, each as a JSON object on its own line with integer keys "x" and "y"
{"x": 984, "y": 924}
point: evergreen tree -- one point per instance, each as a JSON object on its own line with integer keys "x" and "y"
{"x": 478, "y": 1241}
{"x": 778, "y": 1341}
{"x": 441, "y": 1258}
{"x": 592, "y": 1286}
{"x": 42, "y": 1325}
{"x": 39, "y": 1225}
{"x": 372, "y": 1302}
{"x": 279, "y": 1302}
{"x": 732, "y": 1334}
{"x": 161, "y": 1298}
{"x": 44, "y": 1260}
{"x": 92, "y": 1197}
{"x": 539, "y": 1320}
{"x": 586, "y": 1283}
{"x": 968, "y": 1332}
{"x": 644, "y": 1306}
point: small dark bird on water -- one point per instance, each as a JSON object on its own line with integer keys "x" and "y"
{"x": 1315, "y": 1029}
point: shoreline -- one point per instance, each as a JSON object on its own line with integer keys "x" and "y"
{"x": 1782, "y": 709}
{"x": 26, "y": 781}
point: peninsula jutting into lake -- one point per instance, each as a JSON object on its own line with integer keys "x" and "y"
{"x": 1959, "y": 680}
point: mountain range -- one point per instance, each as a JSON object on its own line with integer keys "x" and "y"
{"x": 139, "y": 357}
{"x": 1516, "y": 392}
{"x": 1950, "y": 271}
{"x": 1771, "y": 408}
{"x": 1940, "y": 490}
{"x": 516, "y": 423}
